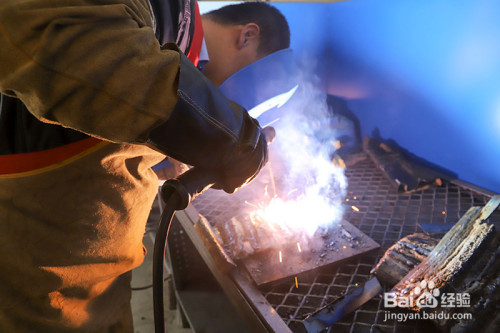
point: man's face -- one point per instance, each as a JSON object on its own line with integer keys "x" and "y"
{"x": 230, "y": 48}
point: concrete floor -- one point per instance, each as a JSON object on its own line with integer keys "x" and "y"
{"x": 142, "y": 300}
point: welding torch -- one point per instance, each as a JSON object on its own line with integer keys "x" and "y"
{"x": 177, "y": 193}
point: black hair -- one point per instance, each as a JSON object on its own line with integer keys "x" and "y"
{"x": 274, "y": 30}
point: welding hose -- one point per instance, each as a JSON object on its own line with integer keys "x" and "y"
{"x": 158, "y": 258}
{"x": 177, "y": 194}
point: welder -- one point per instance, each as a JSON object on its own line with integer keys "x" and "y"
{"x": 93, "y": 95}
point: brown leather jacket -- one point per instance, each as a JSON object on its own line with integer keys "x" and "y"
{"x": 70, "y": 231}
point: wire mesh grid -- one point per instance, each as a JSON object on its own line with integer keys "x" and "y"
{"x": 374, "y": 207}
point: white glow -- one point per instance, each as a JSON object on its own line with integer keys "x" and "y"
{"x": 277, "y": 101}
{"x": 303, "y": 215}
{"x": 315, "y": 187}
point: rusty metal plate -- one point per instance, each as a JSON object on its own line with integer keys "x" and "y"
{"x": 338, "y": 243}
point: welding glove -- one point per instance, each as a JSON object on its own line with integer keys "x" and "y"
{"x": 210, "y": 132}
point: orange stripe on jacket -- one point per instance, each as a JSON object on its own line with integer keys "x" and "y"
{"x": 24, "y": 162}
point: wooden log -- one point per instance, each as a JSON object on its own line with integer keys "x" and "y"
{"x": 482, "y": 282}
{"x": 465, "y": 262}
{"x": 402, "y": 257}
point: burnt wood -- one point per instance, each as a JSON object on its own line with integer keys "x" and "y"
{"x": 402, "y": 257}
{"x": 465, "y": 261}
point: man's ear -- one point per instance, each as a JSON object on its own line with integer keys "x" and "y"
{"x": 248, "y": 34}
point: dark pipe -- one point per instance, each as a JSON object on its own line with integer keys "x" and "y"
{"x": 158, "y": 258}
{"x": 177, "y": 194}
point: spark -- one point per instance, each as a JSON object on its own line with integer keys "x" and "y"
{"x": 281, "y": 258}
{"x": 344, "y": 247}
{"x": 271, "y": 175}
{"x": 296, "y": 283}
{"x": 444, "y": 213}
{"x": 347, "y": 199}
{"x": 355, "y": 198}
{"x": 252, "y": 219}
{"x": 355, "y": 208}
{"x": 298, "y": 247}
{"x": 294, "y": 190}
{"x": 251, "y": 204}
{"x": 290, "y": 215}
{"x": 356, "y": 284}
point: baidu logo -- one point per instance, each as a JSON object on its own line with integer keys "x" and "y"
{"x": 423, "y": 296}
{"x": 426, "y": 295}
{"x": 428, "y": 298}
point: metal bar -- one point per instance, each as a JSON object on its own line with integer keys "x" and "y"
{"x": 187, "y": 219}
{"x": 271, "y": 318}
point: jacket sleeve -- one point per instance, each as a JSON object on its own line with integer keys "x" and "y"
{"x": 95, "y": 68}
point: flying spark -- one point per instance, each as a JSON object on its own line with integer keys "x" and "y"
{"x": 355, "y": 208}
{"x": 251, "y": 204}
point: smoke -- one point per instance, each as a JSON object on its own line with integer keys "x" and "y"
{"x": 311, "y": 189}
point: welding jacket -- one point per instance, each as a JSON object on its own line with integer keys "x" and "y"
{"x": 74, "y": 198}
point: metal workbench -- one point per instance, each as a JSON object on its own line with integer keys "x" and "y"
{"x": 227, "y": 300}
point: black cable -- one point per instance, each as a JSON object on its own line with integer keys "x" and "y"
{"x": 171, "y": 204}
{"x": 149, "y": 285}
{"x": 177, "y": 194}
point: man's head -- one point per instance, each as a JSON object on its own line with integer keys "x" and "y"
{"x": 237, "y": 35}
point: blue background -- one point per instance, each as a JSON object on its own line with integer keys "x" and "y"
{"x": 425, "y": 74}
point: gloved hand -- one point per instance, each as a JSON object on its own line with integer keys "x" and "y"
{"x": 210, "y": 132}
{"x": 243, "y": 165}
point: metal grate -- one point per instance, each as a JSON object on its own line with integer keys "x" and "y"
{"x": 382, "y": 214}
{"x": 386, "y": 217}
